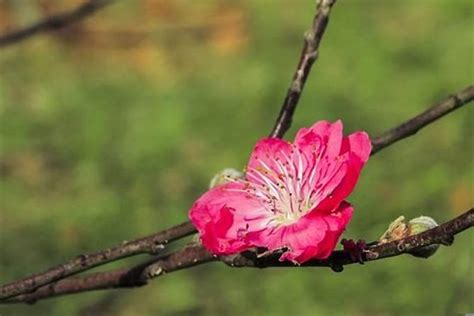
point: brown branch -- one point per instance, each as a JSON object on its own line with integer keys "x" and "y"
{"x": 151, "y": 244}
{"x": 308, "y": 55}
{"x": 193, "y": 255}
{"x": 443, "y": 234}
{"x": 411, "y": 127}
{"x": 54, "y": 22}
{"x": 138, "y": 275}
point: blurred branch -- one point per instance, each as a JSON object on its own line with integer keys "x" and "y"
{"x": 308, "y": 55}
{"x": 153, "y": 243}
{"x": 193, "y": 255}
{"x": 138, "y": 275}
{"x": 412, "y": 126}
{"x": 54, "y": 22}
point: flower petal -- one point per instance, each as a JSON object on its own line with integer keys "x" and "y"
{"x": 267, "y": 152}
{"x": 315, "y": 235}
{"x": 323, "y": 137}
{"x": 214, "y": 237}
{"x": 337, "y": 222}
{"x": 356, "y": 147}
{"x": 222, "y": 216}
{"x": 359, "y": 144}
{"x": 325, "y": 167}
{"x": 301, "y": 238}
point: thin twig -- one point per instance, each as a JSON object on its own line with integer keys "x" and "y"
{"x": 412, "y": 126}
{"x": 152, "y": 244}
{"x": 308, "y": 55}
{"x": 54, "y": 22}
{"x": 194, "y": 255}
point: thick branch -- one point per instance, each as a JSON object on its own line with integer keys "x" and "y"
{"x": 412, "y": 126}
{"x": 151, "y": 244}
{"x": 308, "y": 55}
{"x": 139, "y": 275}
{"x": 54, "y": 22}
{"x": 196, "y": 254}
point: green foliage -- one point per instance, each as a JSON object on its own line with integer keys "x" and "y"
{"x": 106, "y": 138}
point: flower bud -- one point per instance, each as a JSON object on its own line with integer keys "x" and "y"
{"x": 398, "y": 229}
{"x": 419, "y": 225}
{"x": 225, "y": 176}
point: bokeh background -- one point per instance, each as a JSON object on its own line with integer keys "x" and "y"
{"x": 111, "y": 128}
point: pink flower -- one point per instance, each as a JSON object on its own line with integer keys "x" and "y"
{"x": 292, "y": 196}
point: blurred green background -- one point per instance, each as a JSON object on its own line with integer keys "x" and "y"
{"x": 111, "y": 128}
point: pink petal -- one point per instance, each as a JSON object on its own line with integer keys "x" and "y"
{"x": 306, "y": 243}
{"x": 338, "y": 219}
{"x": 266, "y": 152}
{"x": 357, "y": 146}
{"x": 323, "y": 136}
{"x": 330, "y": 174}
{"x": 223, "y": 215}
{"x": 337, "y": 223}
{"x": 301, "y": 238}
{"x": 326, "y": 167}
{"x": 214, "y": 237}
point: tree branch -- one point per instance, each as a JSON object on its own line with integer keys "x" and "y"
{"x": 411, "y": 127}
{"x": 138, "y": 275}
{"x": 54, "y": 22}
{"x": 308, "y": 55}
{"x": 193, "y": 255}
{"x": 151, "y": 244}
{"x": 443, "y": 234}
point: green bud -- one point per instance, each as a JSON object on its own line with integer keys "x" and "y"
{"x": 419, "y": 225}
{"x": 225, "y": 176}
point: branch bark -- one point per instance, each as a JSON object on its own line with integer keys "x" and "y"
{"x": 309, "y": 54}
{"x": 152, "y": 244}
{"x": 443, "y": 234}
{"x": 411, "y": 127}
{"x": 54, "y": 22}
{"x": 194, "y": 255}
{"x": 138, "y": 275}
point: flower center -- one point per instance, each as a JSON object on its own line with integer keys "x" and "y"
{"x": 283, "y": 188}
